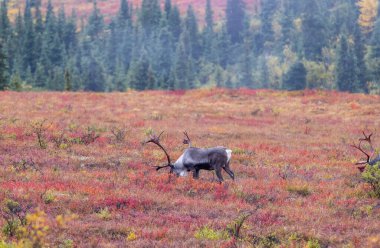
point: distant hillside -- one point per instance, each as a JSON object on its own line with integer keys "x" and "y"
{"x": 110, "y": 7}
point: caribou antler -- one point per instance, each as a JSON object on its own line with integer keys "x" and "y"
{"x": 156, "y": 140}
{"x": 367, "y": 138}
{"x": 187, "y": 140}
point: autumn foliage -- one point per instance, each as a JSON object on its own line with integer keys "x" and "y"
{"x": 92, "y": 183}
{"x": 110, "y": 7}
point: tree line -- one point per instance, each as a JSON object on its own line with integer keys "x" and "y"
{"x": 283, "y": 44}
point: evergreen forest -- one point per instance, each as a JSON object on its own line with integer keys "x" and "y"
{"x": 282, "y": 44}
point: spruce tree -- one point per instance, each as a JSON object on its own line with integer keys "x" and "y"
{"x": 140, "y": 75}
{"x": 175, "y": 23}
{"x": 223, "y": 45}
{"x": 208, "y": 36}
{"x": 209, "y": 18}
{"x": 94, "y": 79}
{"x": 68, "y": 81}
{"x": 235, "y": 16}
{"x": 15, "y": 83}
{"x": 124, "y": 13}
{"x": 313, "y": 26}
{"x": 61, "y": 22}
{"x": 18, "y": 38}
{"x": 287, "y": 27}
{"x": 70, "y": 36}
{"x": 345, "y": 66}
{"x": 191, "y": 27}
{"x": 28, "y": 45}
{"x": 95, "y": 24}
{"x": 56, "y": 80}
{"x": 3, "y": 68}
{"x": 263, "y": 73}
{"x": 183, "y": 65}
{"x": 246, "y": 67}
{"x": 40, "y": 76}
{"x": 48, "y": 57}
{"x": 374, "y": 52}
{"x": 119, "y": 80}
{"x": 5, "y": 26}
{"x": 150, "y": 79}
{"x": 295, "y": 78}
{"x": 39, "y": 30}
{"x": 50, "y": 16}
{"x": 111, "y": 49}
{"x": 218, "y": 77}
{"x": 268, "y": 8}
{"x": 126, "y": 47}
{"x": 375, "y": 41}
{"x": 164, "y": 60}
{"x": 168, "y": 8}
{"x": 150, "y": 15}
{"x": 361, "y": 68}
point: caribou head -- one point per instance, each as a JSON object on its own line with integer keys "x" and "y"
{"x": 371, "y": 159}
{"x": 195, "y": 159}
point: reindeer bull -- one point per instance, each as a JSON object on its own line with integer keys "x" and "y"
{"x": 195, "y": 159}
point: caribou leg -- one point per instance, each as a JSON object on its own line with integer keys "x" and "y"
{"x": 229, "y": 172}
{"x": 196, "y": 173}
{"x": 218, "y": 171}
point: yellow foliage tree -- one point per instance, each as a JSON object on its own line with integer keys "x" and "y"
{"x": 368, "y": 14}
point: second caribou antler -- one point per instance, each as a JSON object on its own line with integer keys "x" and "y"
{"x": 367, "y": 138}
{"x": 187, "y": 140}
{"x": 156, "y": 140}
{"x": 370, "y": 160}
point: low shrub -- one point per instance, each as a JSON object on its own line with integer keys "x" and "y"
{"x": 371, "y": 175}
{"x": 299, "y": 190}
{"x": 48, "y": 197}
{"x": 104, "y": 214}
{"x": 208, "y": 233}
{"x": 235, "y": 228}
{"x": 267, "y": 241}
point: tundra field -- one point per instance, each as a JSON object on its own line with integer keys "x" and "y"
{"x": 74, "y": 172}
{"x": 109, "y": 8}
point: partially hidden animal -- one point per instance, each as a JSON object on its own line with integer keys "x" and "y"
{"x": 371, "y": 157}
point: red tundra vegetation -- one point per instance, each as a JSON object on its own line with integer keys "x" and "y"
{"x": 73, "y": 171}
{"x": 110, "y": 7}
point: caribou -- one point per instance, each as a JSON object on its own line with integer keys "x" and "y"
{"x": 371, "y": 159}
{"x": 194, "y": 159}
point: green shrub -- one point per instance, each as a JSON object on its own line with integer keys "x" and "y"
{"x": 104, "y": 214}
{"x": 10, "y": 228}
{"x": 313, "y": 243}
{"x": 299, "y": 190}
{"x": 67, "y": 243}
{"x": 48, "y": 197}
{"x": 13, "y": 214}
{"x": 235, "y": 227}
{"x": 3, "y": 244}
{"x": 371, "y": 175}
{"x": 208, "y": 233}
{"x": 267, "y": 241}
